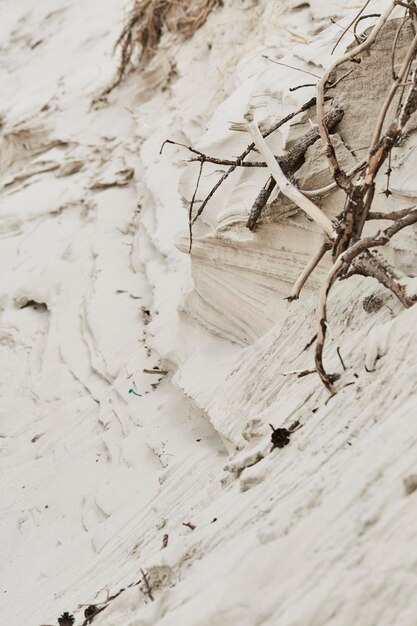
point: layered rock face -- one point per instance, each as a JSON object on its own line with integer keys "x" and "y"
{"x": 140, "y": 381}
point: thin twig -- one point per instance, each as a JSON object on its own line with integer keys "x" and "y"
{"x": 349, "y": 26}
{"x": 302, "y": 86}
{"x": 411, "y": 8}
{"x": 339, "y": 80}
{"x": 147, "y": 585}
{"x": 190, "y": 210}
{"x": 392, "y": 215}
{"x": 395, "y": 42}
{"x": 340, "y": 358}
{"x": 291, "y": 67}
{"x": 312, "y": 193}
{"x": 360, "y": 19}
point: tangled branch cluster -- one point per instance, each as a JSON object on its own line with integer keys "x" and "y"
{"x": 351, "y": 252}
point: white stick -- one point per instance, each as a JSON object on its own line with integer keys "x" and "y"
{"x": 284, "y": 184}
{"x": 308, "y": 270}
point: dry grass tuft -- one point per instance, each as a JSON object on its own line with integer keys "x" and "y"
{"x": 148, "y": 20}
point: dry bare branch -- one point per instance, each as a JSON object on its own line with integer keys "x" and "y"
{"x": 287, "y": 188}
{"x": 368, "y": 265}
{"x": 345, "y": 30}
{"x": 248, "y": 150}
{"x": 333, "y": 163}
{"x": 342, "y": 265}
{"x": 308, "y": 270}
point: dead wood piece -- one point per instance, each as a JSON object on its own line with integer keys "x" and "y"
{"x": 392, "y": 215}
{"x": 369, "y": 265}
{"x": 291, "y": 162}
{"x": 285, "y": 186}
{"x": 260, "y": 202}
{"x": 248, "y": 150}
{"x": 340, "y": 358}
{"x": 341, "y": 266}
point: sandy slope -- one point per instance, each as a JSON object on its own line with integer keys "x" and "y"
{"x": 95, "y": 288}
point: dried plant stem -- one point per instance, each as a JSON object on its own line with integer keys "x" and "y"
{"x": 345, "y": 30}
{"x": 190, "y": 210}
{"x": 148, "y": 589}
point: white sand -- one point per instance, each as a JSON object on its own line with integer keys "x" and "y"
{"x": 95, "y": 287}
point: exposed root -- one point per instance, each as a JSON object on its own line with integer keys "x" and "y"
{"x": 351, "y": 252}
{"x": 147, "y": 22}
{"x": 340, "y": 267}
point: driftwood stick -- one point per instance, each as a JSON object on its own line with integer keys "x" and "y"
{"x": 260, "y": 202}
{"x": 284, "y": 184}
{"x": 393, "y": 215}
{"x": 369, "y": 265}
{"x": 309, "y": 269}
{"x": 290, "y": 163}
{"x": 248, "y": 150}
